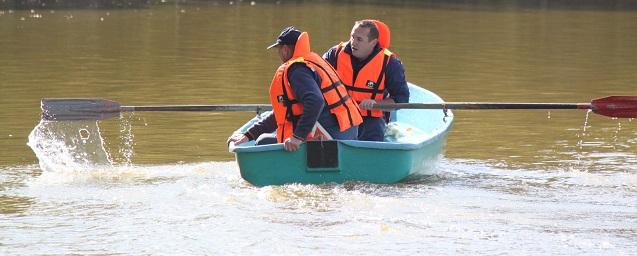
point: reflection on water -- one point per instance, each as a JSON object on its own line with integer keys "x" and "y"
{"x": 14, "y": 204}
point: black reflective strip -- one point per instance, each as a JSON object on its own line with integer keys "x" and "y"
{"x": 359, "y": 89}
{"x": 331, "y": 87}
{"x": 338, "y": 103}
{"x": 294, "y": 119}
{"x": 380, "y": 78}
{"x": 384, "y": 70}
{"x": 349, "y": 114}
{"x": 290, "y": 102}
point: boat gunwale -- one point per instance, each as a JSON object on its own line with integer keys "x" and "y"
{"x": 367, "y": 144}
{"x": 352, "y": 143}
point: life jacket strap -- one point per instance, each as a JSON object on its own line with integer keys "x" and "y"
{"x": 365, "y": 90}
{"x": 338, "y": 103}
{"x": 331, "y": 87}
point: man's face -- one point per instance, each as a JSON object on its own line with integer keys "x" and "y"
{"x": 285, "y": 52}
{"x": 362, "y": 47}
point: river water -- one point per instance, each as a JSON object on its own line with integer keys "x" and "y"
{"x": 559, "y": 182}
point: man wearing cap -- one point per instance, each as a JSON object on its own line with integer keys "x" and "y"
{"x": 371, "y": 73}
{"x": 306, "y": 95}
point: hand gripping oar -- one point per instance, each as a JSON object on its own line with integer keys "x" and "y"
{"x": 97, "y": 109}
{"x": 612, "y": 106}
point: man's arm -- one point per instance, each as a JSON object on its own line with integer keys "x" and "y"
{"x": 307, "y": 92}
{"x": 266, "y": 125}
{"x": 395, "y": 81}
{"x": 330, "y": 56}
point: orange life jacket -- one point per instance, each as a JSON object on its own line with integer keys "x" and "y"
{"x": 287, "y": 109}
{"x": 383, "y": 34}
{"x": 370, "y": 81}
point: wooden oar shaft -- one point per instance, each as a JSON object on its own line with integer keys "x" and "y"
{"x": 483, "y": 105}
{"x": 199, "y": 108}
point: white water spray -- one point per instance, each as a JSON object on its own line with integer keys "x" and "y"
{"x": 75, "y": 145}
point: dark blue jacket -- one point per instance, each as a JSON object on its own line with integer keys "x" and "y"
{"x": 305, "y": 85}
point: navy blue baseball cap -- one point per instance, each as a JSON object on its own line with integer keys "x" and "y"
{"x": 288, "y": 36}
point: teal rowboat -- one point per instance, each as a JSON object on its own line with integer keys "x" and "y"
{"x": 414, "y": 143}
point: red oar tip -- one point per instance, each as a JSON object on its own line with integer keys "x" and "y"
{"x": 616, "y": 106}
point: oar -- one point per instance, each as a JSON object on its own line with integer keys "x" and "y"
{"x": 98, "y": 109}
{"x": 612, "y": 106}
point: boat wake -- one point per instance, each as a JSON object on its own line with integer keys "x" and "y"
{"x": 75, "y": 152}
{"x": 467, "y": 172}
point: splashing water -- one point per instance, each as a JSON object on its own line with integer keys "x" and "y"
{"x": 588, "y": 114}
{"x": 62, "y": 146}
{"x": 126, "y": 140}
{"x": 616, "y": 134}
{"x": 580, "y": 142}
{"x": 75, "y": 145}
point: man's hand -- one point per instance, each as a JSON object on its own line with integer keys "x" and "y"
{"x": 292, "y": 144}
{"x": 238, "y": 139}
{"x": 367, "y": 104}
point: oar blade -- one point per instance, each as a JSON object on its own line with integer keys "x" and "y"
{"x": 616, "y": 106}
{"x": 78, "y": 109}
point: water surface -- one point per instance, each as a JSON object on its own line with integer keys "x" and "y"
{"x": 530, "y": 182}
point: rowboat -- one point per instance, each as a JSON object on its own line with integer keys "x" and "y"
{"x": 414, "y": 143}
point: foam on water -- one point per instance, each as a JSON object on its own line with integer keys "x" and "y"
{"x": 84, "y": 202}
{"x": 206, "y": 208}
{"x": 558, "y": 177}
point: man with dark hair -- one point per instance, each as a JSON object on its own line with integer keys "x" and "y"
{"x": 371, "y": 73}
{"x": 305, "y": 93}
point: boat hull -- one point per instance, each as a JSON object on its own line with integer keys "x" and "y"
{"x": 350, "y": 160}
